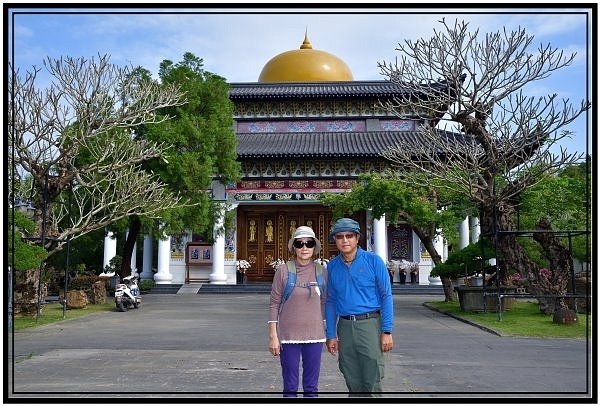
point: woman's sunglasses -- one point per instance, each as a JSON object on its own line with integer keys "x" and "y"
{"x": 307, "y": 244}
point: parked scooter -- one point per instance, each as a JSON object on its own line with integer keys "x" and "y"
{"x": 127, "y": 294}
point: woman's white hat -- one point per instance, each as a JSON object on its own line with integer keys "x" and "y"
{"x": 304, "y": 232}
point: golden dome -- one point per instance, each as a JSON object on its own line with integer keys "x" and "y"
{"x": 305, "y": 65}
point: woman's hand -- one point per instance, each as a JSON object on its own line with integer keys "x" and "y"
{"x": 274, "y": 347}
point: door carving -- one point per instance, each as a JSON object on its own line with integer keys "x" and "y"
{"x": 400, "y": 242}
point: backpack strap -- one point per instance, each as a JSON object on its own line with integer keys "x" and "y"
{"x": 290, "y": 284}
{"x": 320, "y": 278}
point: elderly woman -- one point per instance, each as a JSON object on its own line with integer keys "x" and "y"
{"x": 296, "y": 329}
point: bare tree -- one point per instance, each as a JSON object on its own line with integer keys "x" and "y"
{"x": 506, "y": 136}
{"x": 79, "y": 134}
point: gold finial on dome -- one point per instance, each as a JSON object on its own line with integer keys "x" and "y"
{"x": 306, "y": 43}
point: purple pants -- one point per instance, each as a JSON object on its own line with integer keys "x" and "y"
{"x": 311, "y": 366}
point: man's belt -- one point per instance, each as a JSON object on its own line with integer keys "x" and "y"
{"x": 363, "y": 316}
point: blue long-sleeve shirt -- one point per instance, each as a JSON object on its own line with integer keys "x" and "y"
{"x": 362, "y": 288}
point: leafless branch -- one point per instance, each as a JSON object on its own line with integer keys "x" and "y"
{"x": 476, "y": 88}
{"x": 80, "y": 131}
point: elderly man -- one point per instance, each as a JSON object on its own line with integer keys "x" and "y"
{"x": 359, "y": 311}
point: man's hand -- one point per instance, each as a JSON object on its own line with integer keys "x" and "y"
{"x": 387, "y": 342}
{"x": 332, "y": 345}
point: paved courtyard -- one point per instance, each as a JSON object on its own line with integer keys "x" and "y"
{"x": 215, "y": 345}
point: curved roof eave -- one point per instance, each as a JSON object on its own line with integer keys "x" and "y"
{"x": 306, "y": 90}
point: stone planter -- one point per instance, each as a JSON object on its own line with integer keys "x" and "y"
{"x": 491, "y": 303}
{"x": 472, "y": 299}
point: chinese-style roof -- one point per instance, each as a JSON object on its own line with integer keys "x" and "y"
{"x": 320, "y": 90}
{"x": 364, "y": 145}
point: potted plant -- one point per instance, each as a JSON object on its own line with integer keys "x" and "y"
{"x": 414, "y": 272}
{"x": 402, "y": 274}
{"x": 477, "y": 279}
{"x": 519, "y": 282}
{"x": 391, "y": 268}
{"x": 460, "y": 264}
{"x": 404, "y": 267}
{"x": 241, "y": 266}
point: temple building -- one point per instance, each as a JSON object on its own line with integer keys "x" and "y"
{"x": 306, "y": 127}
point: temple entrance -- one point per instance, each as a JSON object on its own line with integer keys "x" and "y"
{"x": 263, "y": 233}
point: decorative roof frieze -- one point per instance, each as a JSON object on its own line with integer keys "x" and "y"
{"x": 306, "y": 171}
{"x": 280, "y": 197}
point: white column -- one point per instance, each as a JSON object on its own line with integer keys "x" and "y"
{"x": 163, "y": 275}
{"x": 475, "y": 229}
{"x": 218, "y": 276}
{"x": 110, "y": 248}
{"x": 445, "y": 253}
{"x": 147, "y": 258}
{"x": 463, "y": 232}
{"x": 379, "y": 236}
{"x": 438, "y": 242}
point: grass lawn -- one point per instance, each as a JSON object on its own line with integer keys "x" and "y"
{"x": 524, "y": 320}
{"x": 53, "y": 312}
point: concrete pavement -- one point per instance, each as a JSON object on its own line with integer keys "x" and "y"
{"x": 215, "y": 346}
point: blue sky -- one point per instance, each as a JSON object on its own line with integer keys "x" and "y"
{"x": 237, "y": 43}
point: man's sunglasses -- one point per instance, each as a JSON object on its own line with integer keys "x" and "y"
{"x": 308, "y": 244}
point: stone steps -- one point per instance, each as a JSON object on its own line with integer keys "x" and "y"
{"x": 208, "y": 288}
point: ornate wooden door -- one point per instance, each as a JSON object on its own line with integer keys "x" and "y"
{"x": 263, "y": 233}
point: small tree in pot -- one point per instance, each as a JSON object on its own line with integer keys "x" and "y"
{"x": 463, "y": 262}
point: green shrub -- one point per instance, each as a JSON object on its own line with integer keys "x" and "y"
{"x": 26, "y": 255}
{"x": 114, "y": 265}
{"x": 80, "y": 269}
{"x": 146, "y": 284}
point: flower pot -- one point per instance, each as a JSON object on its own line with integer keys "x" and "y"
{"x": 477, "y": 280}
{"x": 434, "y": 280}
